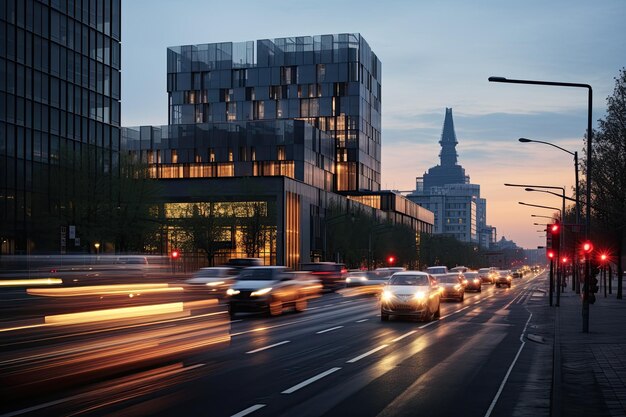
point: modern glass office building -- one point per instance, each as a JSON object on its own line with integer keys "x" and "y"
{"x": 59, "y": 117}
{"x": 333, "y": 82}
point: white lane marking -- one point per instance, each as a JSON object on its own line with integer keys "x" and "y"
{"x": 329, "y": 330}
{"x": 506, "y": 377}
{"x": 397, "y": 339}
{"x": 248, "y": 410}
{"x": 358, "y": 358}
{"x": 361, "y": 321}
{"x": 344, "y": 302}
{"x": 268, "y": 347}
{"x": 443, "y": 317}
{"x": 312, "y": 308}
{"x": 309, "y": 381}
{"x": 235, "y": 321}
{"x": 258, "y": 329}
{"x": 479, "y": 301}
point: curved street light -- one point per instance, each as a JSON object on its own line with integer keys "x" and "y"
{"x": 585, "y": 304}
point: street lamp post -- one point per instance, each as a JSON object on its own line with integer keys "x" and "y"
{"x": 575, "y": 282}
{"x": 585, "y": 309}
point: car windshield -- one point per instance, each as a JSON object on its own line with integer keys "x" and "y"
{"x": 409, "y": 280}
{"x": 256, "y": 275}
{"x": 449, "y": 279}
{"x": 437, "y": 270}
{"x": 471, "y": 275}
{"x": 503, "y": 273}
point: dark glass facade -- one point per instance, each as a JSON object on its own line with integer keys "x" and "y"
{"x": 59, "y": 108}
{"x": 333, "y": 82}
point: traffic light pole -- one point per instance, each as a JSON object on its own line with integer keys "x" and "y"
{"x": 551, "y": 280}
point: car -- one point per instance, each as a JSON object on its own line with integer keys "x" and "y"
{"x": 362, "y": 278}
{"x": 212, "y": 279}
{"x": 410, "y": 294}
{"x": 473, "y": 281}
{"x": 451, "y": 287}
{"x": 504, "y": 278}
{"x": 487, "y": 275}
{"x": 266, "y": 289}
{"x": 459, "y": 269}
{"x": 437, "y": 270}
{"x": 333, "y": 275}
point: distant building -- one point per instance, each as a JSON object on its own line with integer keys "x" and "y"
{"x": 446, "y": 191}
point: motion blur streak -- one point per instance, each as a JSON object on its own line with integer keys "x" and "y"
{"x": 114, "y": 313}
{"x": 103, "y": 290}
{"x": 33, "y": 281}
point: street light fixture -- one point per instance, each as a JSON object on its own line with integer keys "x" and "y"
{"x": 585, "y": 309}
{"x": 575, "y": 155}
{"x": 97, "y": 246}
{"x": 546, "y": 217}
{"x": 545, "y": 207}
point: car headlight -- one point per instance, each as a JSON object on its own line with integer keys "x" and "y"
{"x": 386, "y": 295}
{"x": 457, "y": 287}
{"x": 476, "y": 280}
{"x": 419, "y": 296}
{"x": 231, "y": 291}
{"x": 214, "y": 283}
{"x": 509, "y": 278}
{"x": 362, "y": 279}
{"x": 348, "y": 280}
{"x": 262, "y": 291}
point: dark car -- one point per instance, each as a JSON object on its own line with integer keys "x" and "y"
{"x": 474, "y": 283}
{"x": 267, "y": 289}
{"x": 333, "y": 275}
{"x": 504, "y": 278}
{"x": 451, "y": 287}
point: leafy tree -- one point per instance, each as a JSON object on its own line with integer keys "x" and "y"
{"x": 609, "y": 175}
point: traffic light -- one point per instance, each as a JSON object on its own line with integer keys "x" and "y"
{"x": 603, "y": 257}
{"x": 175, "y": 254}
{"x": 555, "y": 235}
{"x": 564, "y": 259}
{"x": 391, "y": 260}
{"x": 587, "y": 247}
{"x": 550, "y": 254}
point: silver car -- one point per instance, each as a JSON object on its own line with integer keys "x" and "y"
{"x": 412, "y": 294}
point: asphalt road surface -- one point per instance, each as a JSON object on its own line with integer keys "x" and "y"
{"x": 185, "y": 357}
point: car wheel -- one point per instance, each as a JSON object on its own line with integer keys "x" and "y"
{"x": 275, "y": 308}
{"x": 301, "y": 304}
{"x": 438, "y": 311}
{"x": 384, "y": 317}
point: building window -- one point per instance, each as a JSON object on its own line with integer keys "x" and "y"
{"x": 211, "y": 155}
{"x": 230, "y": 155}
{"x": 174, "y": 156}
{"x": 280, "y": 152}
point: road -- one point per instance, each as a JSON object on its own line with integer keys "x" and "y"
{"x": 483, "y": 357}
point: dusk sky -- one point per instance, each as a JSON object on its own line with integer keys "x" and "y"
{"x": 434, "y": 54}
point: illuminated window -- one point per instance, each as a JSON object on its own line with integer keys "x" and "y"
{"x": 280, "y": 151}
{"x": 211, "y": 155}
{"x": 230, "y": 155}
{"x": 252, "y": 154}
{"x": 174, "y": 156}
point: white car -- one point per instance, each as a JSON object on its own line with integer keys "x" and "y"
{"x": 412, "y": 294}
{"x": 213, "y": 279}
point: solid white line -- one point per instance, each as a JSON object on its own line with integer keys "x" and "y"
{"x": 268, "y": 347}
{"x": 358, "y": 358}
{"x": 312, "y": 308}
{"x": 506, "y": 377}
{"x": 329, "y": 330}
{"x": 235, "y": 321}
{"x": 362, "y": 320}
{"x": 309, "y": 381}
{"x": 258, "y": 329}
{"x": 403, "y": 336}
{"x": 248, "y": 410}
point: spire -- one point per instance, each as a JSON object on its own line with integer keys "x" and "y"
{"x": 448, "y": 141}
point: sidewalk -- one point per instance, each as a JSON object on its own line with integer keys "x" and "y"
{"x": 590, "y": 368}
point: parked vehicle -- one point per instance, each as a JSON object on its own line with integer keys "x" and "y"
{"x": 267, "y": 289}
{"x": 451, "y": 287}
{"x": 333, "y": 275}
{"x": 410, "y": 294}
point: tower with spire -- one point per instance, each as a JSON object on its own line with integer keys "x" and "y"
{"x": 447, "y": 172}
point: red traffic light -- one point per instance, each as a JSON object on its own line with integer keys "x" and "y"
{"x": 587, "y": 247}
{"x": 603, "y": 257}
{"x": 564, "y": 259}
{"x": 175, "y": 254}
{"x": 551, "y": 254}
{"x": 554, "y": 228}
{"x": 391, "y": 260}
